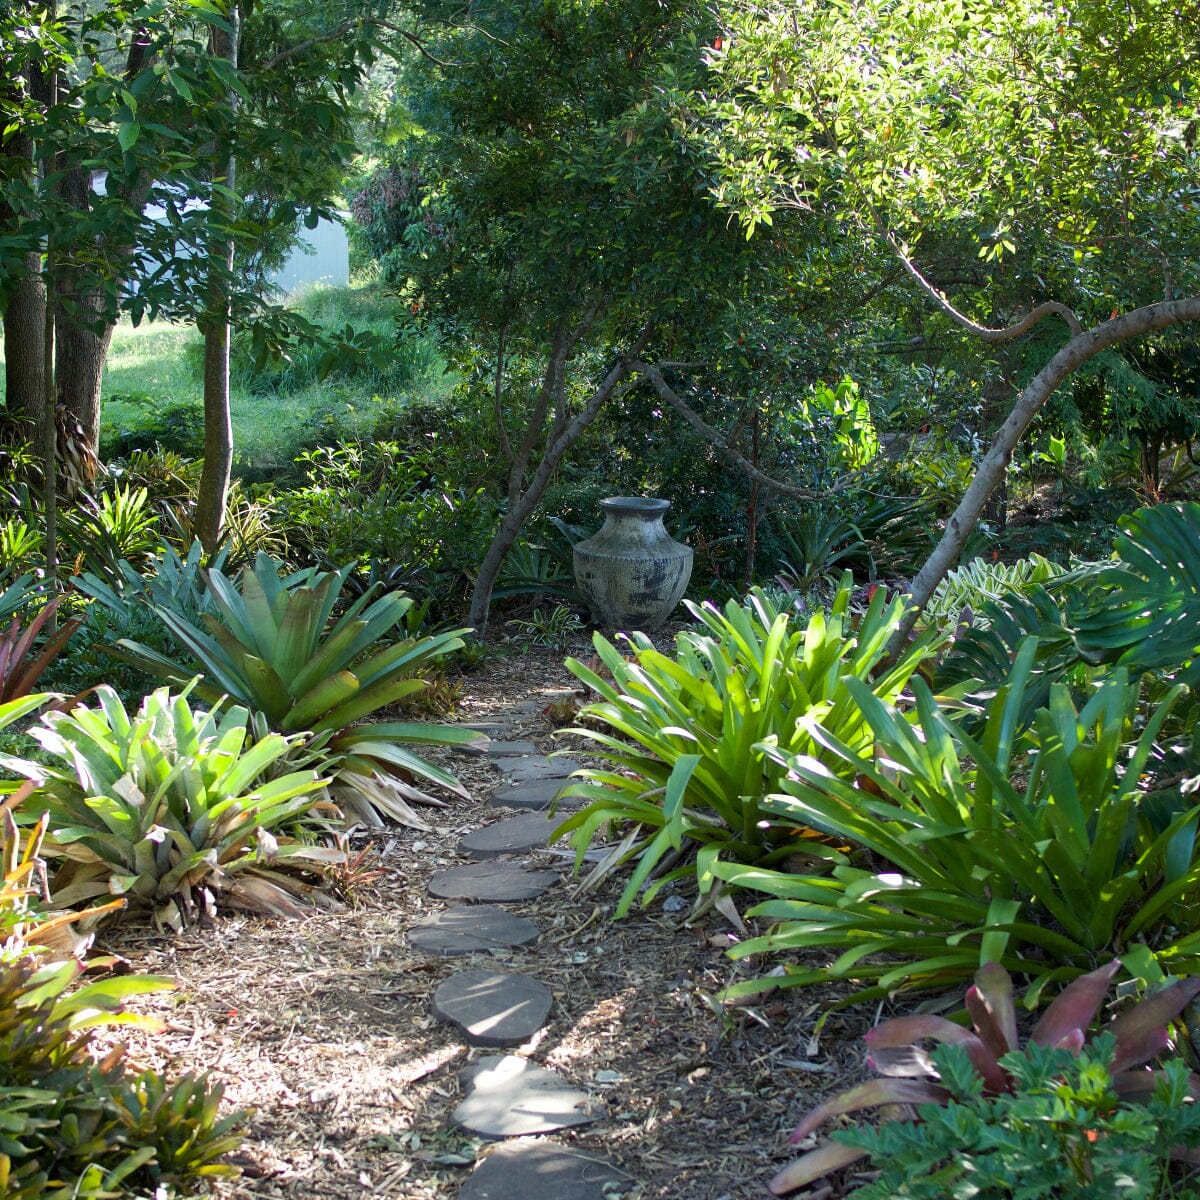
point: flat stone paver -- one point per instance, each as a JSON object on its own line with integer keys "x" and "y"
{"x": 490, "y": 749}
{"x": 466, "y": 930}
{"x": 513, "y": 1097}
{"x": 519, "y": 1171}
{"x": 522, "y": 770}
{"x": 493, "y": 880}
{"x": 536, "y": 796}
{"x": 529, "y": 832}
{"x": 493, "y": 1008}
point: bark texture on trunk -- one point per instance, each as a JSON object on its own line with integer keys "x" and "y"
{"x": 24, "y": 353}
{"x": 84, "y": 319}
{"x": 213, "y": 493}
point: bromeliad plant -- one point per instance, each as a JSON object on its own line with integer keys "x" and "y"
{"x": 167, "y": 808}
{"x": 695, "y": 742}
{"x": 275, "y": 645}
{"x": 1057, "y": 1117}
{"x": 1025, "y": 847}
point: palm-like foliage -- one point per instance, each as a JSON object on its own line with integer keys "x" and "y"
{"x": 166, "y": 809}
{"x": 1027, "y": 848}
{"x": 688, "y": 739}
{"x": 274, "y": 644}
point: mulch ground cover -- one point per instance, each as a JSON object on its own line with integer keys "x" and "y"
{"x": 322, "y": 1026}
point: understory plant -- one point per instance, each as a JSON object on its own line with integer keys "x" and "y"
{"x": 73, "y": 1124}
{"x": 1062, "y": 1116}
{"x": 694, "y": 742}
{"x": 169, "y": 809}
{"x": 23, "y": 659}
{"x": 1028, "y": 847}
{"x": 275, "y": 643}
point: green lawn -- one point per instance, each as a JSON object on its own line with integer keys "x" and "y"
{"x": 156, "y": 365}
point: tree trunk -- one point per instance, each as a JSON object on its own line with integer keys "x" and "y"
{"x": 522, "y": 504}
{"x": 1074, "y": 354}
{"x": 25, "y": 302}
{"x": 24, "y": 356}
{"x": 84, "y": 319}
{"x": 213, "y": 493}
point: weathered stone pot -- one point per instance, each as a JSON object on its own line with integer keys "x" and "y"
{"x": 632, "y": 573}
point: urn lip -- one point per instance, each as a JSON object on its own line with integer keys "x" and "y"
{"x": 646, "y": 506}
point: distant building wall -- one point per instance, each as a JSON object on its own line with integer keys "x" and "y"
{"x": 322, "y": 256}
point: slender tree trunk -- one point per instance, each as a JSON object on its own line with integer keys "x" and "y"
{"x": 523, "y": 501}
{"x": 213, "y": 492}
{"x": 24, "y": 356}
{"x": 84, "y": 320}
{"x": 25, "y": 303}
{"x": 1083, "y": 346}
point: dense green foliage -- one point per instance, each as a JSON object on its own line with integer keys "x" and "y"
{"x": 694, "y": 743}
{"x": 274, "y": 642}
{"x": 169, "y": 808}
{"x": 1059, "y": 1116}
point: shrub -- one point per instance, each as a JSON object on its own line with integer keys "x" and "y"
{"x": 71, "y": 1126}
{"x": 1058, "y": 1118}
{"x": 22, "y": 659}
{"x": 688, "y": 740}
{"x": 1027, "y": 848}
{"x": 274, "y": 645}
{"x": 165, "y": 808}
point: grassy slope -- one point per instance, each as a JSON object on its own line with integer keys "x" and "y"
{"x": 155, "y": 366}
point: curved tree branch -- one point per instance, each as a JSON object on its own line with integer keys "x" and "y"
{"x": 1085, "y": 345}
{"x": 721, "y": 442}
{"x": 1026, "y": 323}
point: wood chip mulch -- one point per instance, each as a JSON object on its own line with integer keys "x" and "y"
{"x": 322, "y": 1026}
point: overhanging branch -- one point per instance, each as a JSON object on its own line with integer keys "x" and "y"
{"x": 721, "y": 443}
{"x": 1027, "y": 322}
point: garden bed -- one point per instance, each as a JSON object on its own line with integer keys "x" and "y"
{"x": 323, "y": 1025}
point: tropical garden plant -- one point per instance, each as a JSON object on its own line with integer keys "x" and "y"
{"x": 694, "y": 743}
{"x": 1068, "y": 1114}
{"x": 168, "y": 808}
{"x": 73, "y": 1123}
{"x": 276, "y": 644}
{"x": 1026, "y": 847}
{"x": 22, "y": 659}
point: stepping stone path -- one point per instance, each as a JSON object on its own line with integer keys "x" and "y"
{"x": 510, "y": 1096}
{"x": 526, "y": 770}
{"x": 497, "y": 880}
{"x": 534, "y": 796}
{"x": 543, "y": 1172}
{"x": 492, "y": 1008}
{"x": 517, "y": 834}
{"x": 468, "y": 930}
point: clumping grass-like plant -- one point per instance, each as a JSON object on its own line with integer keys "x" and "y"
{"x": 169, "y": 809}
{"x": 687, "y": 738}
{"x": 1057, "y": 1117}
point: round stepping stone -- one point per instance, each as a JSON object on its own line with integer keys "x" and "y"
{"x": 512, "y": 1097}
{"x": 522, "y": 770}
{"x": 490, "y": 749}
{"x": 500, "y": 881}
{"x": 542, "y": 1172}
{"x": 529, "y": 832}
{"x": 492, "y": 1008}
{"x": 462, "y": 930}
{"x": 534, "y": 797}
